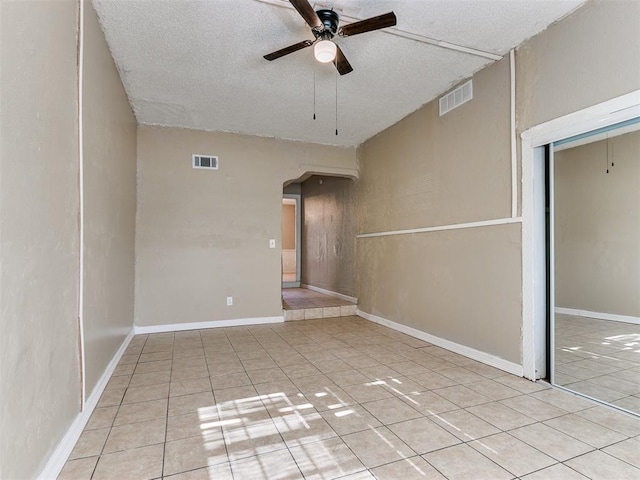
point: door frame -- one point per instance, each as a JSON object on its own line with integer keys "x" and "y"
{"x": 298, "y": 201}
{"x": 534, "y": 298}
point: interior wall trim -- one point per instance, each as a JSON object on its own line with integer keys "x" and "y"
{"x": 330, "y": 293}
{"x": 62, "y": 451}
{"x": 469, "y": 352}
{"x": 311, "y": 169}
{"x": 440, "y": 228}
{"x": 178, "y": 327}
{"x": 81, "y": 339}
{"x": 601, "y": 316}
{"x": 512, "y": 134}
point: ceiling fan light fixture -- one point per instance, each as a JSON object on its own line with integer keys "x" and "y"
{"x": 325, "y": 51}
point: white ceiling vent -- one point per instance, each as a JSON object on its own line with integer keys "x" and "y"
{"x": 456, "y": 97}
{"x": 208, "y": 162}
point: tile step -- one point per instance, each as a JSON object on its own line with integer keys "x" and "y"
{"x": 320, "y": 312}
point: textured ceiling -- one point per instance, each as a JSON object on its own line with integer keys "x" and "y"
{"x": 198, "y": 63}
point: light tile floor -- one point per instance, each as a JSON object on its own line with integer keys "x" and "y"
{"x": 599, "y": 358}
{"x": 338, "y": 398}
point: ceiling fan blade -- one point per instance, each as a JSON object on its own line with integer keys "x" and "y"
{"x": 307, "y": 12}
{"x": 287, "y": 50}
{"x": 341, "y": 62}
{"x": 373, "y": 23}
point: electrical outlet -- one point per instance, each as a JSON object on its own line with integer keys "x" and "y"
{"x": 229, "y": 301}
{"x": 272, "y": 243}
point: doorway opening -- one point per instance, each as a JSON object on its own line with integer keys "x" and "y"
{"x": 318, "y": 255}
{"x": 291, "y": 235}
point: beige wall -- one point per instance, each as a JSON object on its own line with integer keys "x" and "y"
{"x": 328, "y": 233}
{"x": 428, "y": 170}
{"x": 288, "y": 227}
{"x": 462, "y": 285}
{"x": 109, "y": 149}
{"x": 39, "y": 198}
{"x": 587, "y": 58}
{"x": 456, "y": 169}
{"x": 597, "y": 226}
{"x": 204, "y": 235}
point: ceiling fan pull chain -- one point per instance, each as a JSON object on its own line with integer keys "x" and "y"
{"x": 314, "y": 92}
{"x": 336, "y": 102}
{"x": 612, "y": 164}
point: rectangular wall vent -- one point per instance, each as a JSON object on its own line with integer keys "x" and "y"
{"x": 456, "y": 97}
{"x": 205, "y": 161}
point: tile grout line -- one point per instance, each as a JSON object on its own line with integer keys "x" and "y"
{"x": 215, "y": 402}
{"x": 338, "y": 436}
{"x": 277, "y": 429}
{"x": 114, "y": 418}
{"x": 166, "y": 422}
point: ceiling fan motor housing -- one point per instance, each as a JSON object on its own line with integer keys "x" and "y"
{"x": 324, "y": 26}
{"x": 329, "y": 20}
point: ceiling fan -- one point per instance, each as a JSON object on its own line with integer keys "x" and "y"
{"x": 324, "y": 26}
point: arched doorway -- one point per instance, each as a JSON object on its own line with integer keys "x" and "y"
{"x": 318, "y": 246}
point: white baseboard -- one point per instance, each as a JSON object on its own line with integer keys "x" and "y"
{"x": 177, "y": 327}
{"x": 60, "y": 455}
{"x": 602, "y": 316}
{"x": 483, "y": 357}
{"x": 330, "y": 293}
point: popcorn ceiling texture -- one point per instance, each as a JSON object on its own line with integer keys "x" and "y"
{"x": 198, "y": 64}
